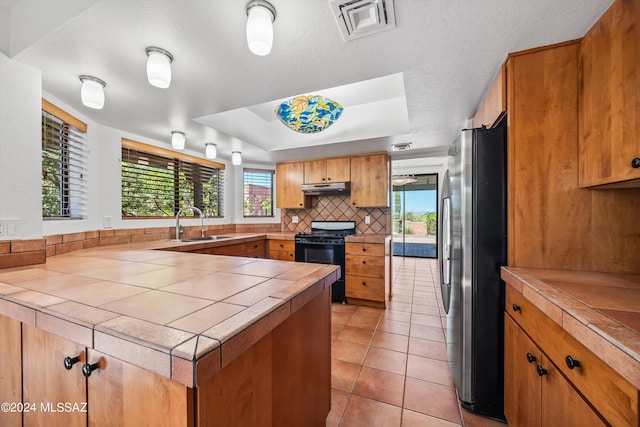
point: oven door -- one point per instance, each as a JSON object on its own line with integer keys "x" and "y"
{"x": 325, "y": 253}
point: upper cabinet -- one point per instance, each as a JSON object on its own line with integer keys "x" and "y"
{"x": 327, "y": 170}
{"x": 289, "y": 176}
{"x": 370, "y": 180}
{"x": 610, "y": 99}
{"x": 494, "y": 102}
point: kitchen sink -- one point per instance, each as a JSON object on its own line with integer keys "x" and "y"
{"x": 204, "y": 238}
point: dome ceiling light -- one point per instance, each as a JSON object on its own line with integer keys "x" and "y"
{"x": 92, "y": 91}
{"x": 159, "y": 67}
{"x": 260, "y": 17}
{"x": 177, "y": 139}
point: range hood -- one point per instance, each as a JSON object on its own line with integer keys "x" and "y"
{"x": 322, "y": 189}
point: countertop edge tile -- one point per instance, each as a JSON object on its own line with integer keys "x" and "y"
{"x": 65, "y": 329}
{"x": 136, "y": 354}
{"x": 18, "y": 311}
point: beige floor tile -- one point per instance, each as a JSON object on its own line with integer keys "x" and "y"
{"x": 348, "y": 351}
{"x": 344, "y": 374}
{"x": 387, "y": 360}
{"x": 380, "y": 385}
{"x": 362, "y": 412}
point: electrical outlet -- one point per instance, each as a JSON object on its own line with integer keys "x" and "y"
{"x": 367, "y": 219}
{"x": 294, "y": 219}
{"x": 107, "y": 222}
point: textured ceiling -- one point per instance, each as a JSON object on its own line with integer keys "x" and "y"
{"x": 447, "y": 52}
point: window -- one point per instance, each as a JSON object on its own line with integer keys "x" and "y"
{"x": 258, "y": 192}
{"x": 64, "y": 164}
{"x": 156, "y": 183}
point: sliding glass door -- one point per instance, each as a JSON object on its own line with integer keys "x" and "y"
{"x": 414, "y": 212}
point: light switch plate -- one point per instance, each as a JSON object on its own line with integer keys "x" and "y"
{"x": 107, "y": 222}
{"x": 367, "y": 219}
{"x": 294, "y": 219}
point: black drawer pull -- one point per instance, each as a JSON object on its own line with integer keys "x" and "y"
{"x": 364, "y": 262}
{"x": 572, "y": 363}
{"x": 364, "y": 283}
{"x": 531, "y": 358}
{"x": 70, "y": 361}
{"x": 364, "y": 249}
{"x": 541, "y": 371}
{"x": 87, "y": 369}
{"x": 516, "y": 307}
{"x": 635, "y": 163}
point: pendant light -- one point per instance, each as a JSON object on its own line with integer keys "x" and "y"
{"x": 210, "y": 150}
{"x": 236, "y": 158}
{"x": 92, "y": 91}
{"x": 159, "y": 67}
{"x": 260, "y": 17}
{"x": 177, "y": 139}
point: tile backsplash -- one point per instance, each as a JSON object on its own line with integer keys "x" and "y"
{"x": 337, "y": 208}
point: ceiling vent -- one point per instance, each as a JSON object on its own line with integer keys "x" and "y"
{"x": 360, "y": 18}
{"x": 402, "y": 147}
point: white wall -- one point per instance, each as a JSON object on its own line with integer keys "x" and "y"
{"x": 20, "y": 149}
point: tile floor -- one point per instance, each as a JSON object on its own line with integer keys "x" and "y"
{"x": 389, "y": 367}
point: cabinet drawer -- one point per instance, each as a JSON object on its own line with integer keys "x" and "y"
{"x": 235, "y": 250}
{"x": 255, "y": 246}
{"x": 281, "y": 245}
{"x": 282, "y": 255}
{"x": 369, "y": 249}
{"x": 606, "y": 390}
{"x": 365, "y": 266}
{"x": 362, "y": 287}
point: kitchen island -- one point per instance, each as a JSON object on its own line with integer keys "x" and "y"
{"x": 165, "y": 337}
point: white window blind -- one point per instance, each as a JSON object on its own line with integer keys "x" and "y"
{"x": 64, "y": 169}
{"x": 258, "y": 192}
{"x": 158, "y": 185}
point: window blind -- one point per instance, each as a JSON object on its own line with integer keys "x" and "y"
{"x": 64, "y": 169}
{"x": 258, "y": 192}
{"x": 155, "y": 185}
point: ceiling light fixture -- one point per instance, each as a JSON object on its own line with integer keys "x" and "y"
{"x": 236, "y": 158}
{"x": 159, "y": 67}
{"x": 177, "y": 139}
{"x": 210, "y": 150}
{"x": 260, "y": 17}
{"x": 309, "y": 113}
{"x": 92, "y": 91}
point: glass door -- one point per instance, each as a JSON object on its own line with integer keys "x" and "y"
{"x": 414, "y": 215}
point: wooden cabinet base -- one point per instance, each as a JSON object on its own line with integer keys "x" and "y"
{"x": 282, "y": 380}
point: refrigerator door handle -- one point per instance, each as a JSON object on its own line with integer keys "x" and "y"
{"x": 445, "y": 259}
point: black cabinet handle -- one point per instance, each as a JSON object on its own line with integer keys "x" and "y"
{"x": 635, "y": 163}
{"x": 572, "y": 363}
{"x": 531, "y": 358}
{"x": 364, "y": 262}
{"x": 281, "y": 245}
{"x": 364, "y": 283}
{"x": 515, "y": 307}
{"x": 70, "y": 361}
{"x": 364, "y": 249}
{"x": 87, "y": 369}
{"x": 541, "y": 371}
{"x": 323, "y": 179}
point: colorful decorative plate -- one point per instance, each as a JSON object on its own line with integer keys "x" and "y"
{"x": 309, "y": 114}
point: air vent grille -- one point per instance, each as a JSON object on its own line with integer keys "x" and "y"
{"x": 402, "y": 147}
{"x": 360, "y": 18}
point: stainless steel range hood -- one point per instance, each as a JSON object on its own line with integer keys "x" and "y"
{"x": 325, "y": 189}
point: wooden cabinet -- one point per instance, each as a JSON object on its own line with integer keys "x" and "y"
{"x": 327, "y": 170}
{"x": 253, "y": 249}
{"x": 366, "y": 274}
{"x": 289, "y": 178}
{"x": 10, "y": 369}
{"x": 370, "y": 180}
{"x": 46, "y": 381}
{"x": 565, "y": 380}
{"x": 536, "y": 393}
{"x": 282, "y": 250}
{"x": 494, "y": 101}
{"x": 610, "y": 99}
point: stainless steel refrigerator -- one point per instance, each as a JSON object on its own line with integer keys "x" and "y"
{"x": 472, "y": 248}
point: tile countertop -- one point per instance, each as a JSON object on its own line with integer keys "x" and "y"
{"x": 601, "y": 310}
{"x": 181, "y": 315}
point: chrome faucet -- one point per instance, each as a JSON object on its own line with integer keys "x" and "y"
{"x": 194, "y": 210}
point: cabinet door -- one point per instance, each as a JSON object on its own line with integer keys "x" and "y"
{"x": 45, "y": 380}
{"x": 121, "y": 394}
{"x": 289, "y": 178}
{"x": 561, "y": 404}
{"x": 370, "y": 180}
{"x": 609, "y": 114}
{"x": 10, "y": 369}
{"x": 521, "y": 383}
{"x": 315, "y": 172}
{"x": 339, "y": 170}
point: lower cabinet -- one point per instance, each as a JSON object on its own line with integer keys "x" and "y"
{"x": 282, "y": 250}
{"x": 366, "y": 268}
{"x": 115, "y": 393}
{"x": 253, "y": 249}
{"x": 551, "y": 379}
{"x": 536, "y": 393}
{"x": 10, "y": 369}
